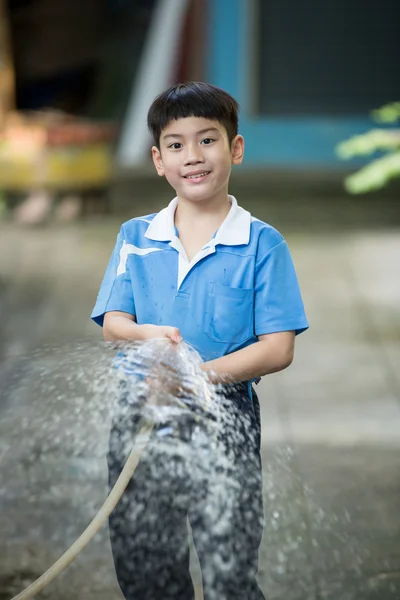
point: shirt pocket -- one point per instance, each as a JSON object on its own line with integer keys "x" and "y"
{"x": 229, "y": 315}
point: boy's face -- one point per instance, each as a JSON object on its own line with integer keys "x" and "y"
{"x": 196, "y": 157}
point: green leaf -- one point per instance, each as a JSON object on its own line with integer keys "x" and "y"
{"x": 389, "y": 113}
{"x": 375, "y": 175}
{"x": 368, "y": 143}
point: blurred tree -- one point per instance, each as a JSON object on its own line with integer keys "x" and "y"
{"x": 383, "y": 169}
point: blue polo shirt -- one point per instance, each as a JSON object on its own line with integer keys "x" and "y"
{"x": 240, "y": 285}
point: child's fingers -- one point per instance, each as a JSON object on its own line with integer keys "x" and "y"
{"x": 174, "y": 334}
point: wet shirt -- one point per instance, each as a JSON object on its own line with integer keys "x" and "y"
{"x": 240, "y": 285}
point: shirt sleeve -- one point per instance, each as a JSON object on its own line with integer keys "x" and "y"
{"x": 278, "y": 302}
{"x": 116, "y": 291}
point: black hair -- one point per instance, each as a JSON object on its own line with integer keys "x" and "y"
{"x": 193, "y": 99}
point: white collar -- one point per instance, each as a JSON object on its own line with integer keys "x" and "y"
{"x": 234, "y": 231}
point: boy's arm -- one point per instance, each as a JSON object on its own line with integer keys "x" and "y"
{"x": 272, "y": 353}
{"x": 120, "y": 326}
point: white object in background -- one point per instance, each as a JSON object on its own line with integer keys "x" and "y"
{"x": 155, "y": 73}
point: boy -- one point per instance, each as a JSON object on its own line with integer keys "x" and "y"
{"x": 205, "y": 271}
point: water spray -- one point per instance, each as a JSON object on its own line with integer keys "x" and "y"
{"x": 171, "y": 377}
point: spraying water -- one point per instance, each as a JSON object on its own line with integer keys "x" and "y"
{"x": 54, "y": 435}
{"x": 161, "y": 388}
{"x": 202, "y": 460}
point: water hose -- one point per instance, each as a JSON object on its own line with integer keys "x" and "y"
{"x": 98, "y": 521}
{"x": 200, "y": 392}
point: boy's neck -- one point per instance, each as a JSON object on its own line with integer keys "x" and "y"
{"x": 214, "y": 209}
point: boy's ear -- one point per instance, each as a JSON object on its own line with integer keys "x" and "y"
{"x": 157, "y": 160}
{"x": 237, "y": 149}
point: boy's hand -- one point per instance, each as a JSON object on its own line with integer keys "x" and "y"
{"x": 161, "y": 331}
{"x": 166, "y": 385}
{"x": 165, "y": 380}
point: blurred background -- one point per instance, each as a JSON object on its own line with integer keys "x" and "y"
{"x": 76, "y": 81}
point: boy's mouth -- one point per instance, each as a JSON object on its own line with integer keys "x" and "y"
{"x": 197, "y": 176}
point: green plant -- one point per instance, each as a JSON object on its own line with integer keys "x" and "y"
{"x": 381, "y": 170}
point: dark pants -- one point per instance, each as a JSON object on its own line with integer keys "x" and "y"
{"x": 207, "y": 470}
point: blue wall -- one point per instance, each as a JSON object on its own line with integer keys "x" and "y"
{"x": 291, "y": 142}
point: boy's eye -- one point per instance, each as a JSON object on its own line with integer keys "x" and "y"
{"x": 175, "y": 145}
{"x": 207, "y": 141}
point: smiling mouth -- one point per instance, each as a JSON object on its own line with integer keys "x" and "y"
{"x": 197, "y": 176}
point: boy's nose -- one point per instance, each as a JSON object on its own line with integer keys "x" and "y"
{"x": 193, "y": 155}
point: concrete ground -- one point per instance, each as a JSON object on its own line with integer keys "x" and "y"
{"x": 331, "y": 422}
